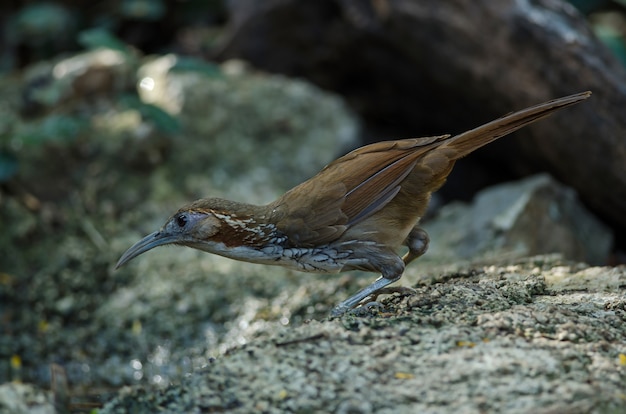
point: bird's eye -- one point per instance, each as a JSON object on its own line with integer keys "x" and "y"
{"x": 181, "y": 220}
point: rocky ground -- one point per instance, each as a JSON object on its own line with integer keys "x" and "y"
{"x": 541, "y": 335}
{"x": 537, "y": 336}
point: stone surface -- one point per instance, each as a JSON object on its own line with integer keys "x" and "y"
{"x": 536, "y": 336}
{"x": 536, "y": 215}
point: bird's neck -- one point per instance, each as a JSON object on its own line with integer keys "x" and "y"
{"x": 241, "y": 224}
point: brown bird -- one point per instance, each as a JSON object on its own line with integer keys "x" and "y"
{"x": 354, "y": 214}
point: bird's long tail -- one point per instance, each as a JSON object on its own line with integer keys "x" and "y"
{"x": 473, "y": 139}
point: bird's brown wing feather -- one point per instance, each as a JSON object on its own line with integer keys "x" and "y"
{"x": 375, "y": 172}
{"x": 348, "y": 190}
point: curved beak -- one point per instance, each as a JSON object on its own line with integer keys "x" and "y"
{"x": 152, "y": 240}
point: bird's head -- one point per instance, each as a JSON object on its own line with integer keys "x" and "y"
{"x": 187, "y": 227}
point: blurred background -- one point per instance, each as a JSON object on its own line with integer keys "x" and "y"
{"x": 114, "y": 114}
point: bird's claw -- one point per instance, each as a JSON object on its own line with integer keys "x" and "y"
{"x": 371, "y": 301}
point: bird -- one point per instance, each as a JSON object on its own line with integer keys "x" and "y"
{"x": 358, "y": 213}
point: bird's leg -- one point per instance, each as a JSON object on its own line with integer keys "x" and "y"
{"x": 417, "y": 241}
{"x": 355, "y": 299}
{"x": 391, "y": 268}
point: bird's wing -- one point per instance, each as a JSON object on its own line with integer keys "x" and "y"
{"x": 348, "y": 190}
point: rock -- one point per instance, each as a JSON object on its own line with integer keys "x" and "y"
{"x": 536, "y": 215}
{"x": 427, "y": 68}
{"x": 493, "y": 339}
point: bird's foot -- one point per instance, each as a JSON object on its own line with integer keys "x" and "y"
{"x": 366, "y": 308}
{"x": 402, "y": 290}
{"x": 353, "y": 301}
{"x": 366, "y": 303}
